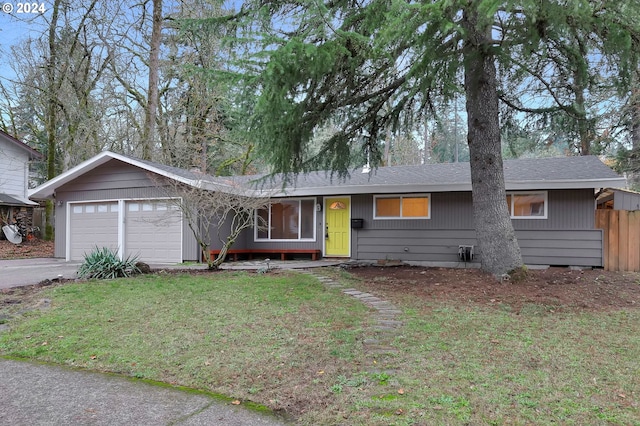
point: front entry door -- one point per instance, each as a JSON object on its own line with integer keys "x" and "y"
{"x": 337, "y": 226}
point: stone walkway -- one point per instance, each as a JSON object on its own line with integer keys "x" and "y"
{"x": 386, "y": 324}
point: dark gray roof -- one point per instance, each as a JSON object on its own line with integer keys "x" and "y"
{"x": 14, "y": 200}
{"x": 187, "y": 174}
{"x": 532, "y": 173}
{"x": 539, "y": 170}
{"x": 522, "y": 174}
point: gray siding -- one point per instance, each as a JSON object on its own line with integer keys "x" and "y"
{"x": 566, "y": 237}
{"x": 552, "y": 247}
{"x": 112, "y": 181}
{"x": 14, "y": 168}
{"x": 568, "y": 209}
{"x": 626, "y": 201}
{"x": 410, "y": 244}
{"x": 112, "y": 175}
{"x": 562, "y": 247}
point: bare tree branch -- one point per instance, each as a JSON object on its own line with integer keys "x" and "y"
{"x": 225, "y": 212}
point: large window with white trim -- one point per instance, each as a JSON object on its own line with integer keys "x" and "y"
{"x": 527, "y": 205}
{"x": 412, "y": 206}
{"x": 287, "y": 220}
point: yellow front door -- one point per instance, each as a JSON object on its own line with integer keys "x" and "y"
{"x": 338, "y": 226}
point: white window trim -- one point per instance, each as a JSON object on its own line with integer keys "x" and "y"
{"x": 545, "y": 194}
{"x": 269, "y": 239}
{"x": 401, "y": 196}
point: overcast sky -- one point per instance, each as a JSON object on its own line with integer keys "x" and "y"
{"x": 15, "y": 27}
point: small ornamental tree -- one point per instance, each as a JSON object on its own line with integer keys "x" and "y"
{"x": 223, "y": 209}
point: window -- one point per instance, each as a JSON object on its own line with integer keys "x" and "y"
{"x": 401, "y": 206}
{"x": 286, "y": 220}
{"x": 527, "y": 205}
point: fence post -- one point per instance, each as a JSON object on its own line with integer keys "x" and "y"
{"x": 634, "y": 241}
{"x": 614, "y": 254}
{"x": 602, "y": 222}
{"x": 623, "y": 240}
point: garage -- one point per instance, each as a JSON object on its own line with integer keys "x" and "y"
{"x": 120, "y": 202}
{"x": 153, "y": 231}
{"x": 92, "y": 225}
{"x": 150, "y": 229}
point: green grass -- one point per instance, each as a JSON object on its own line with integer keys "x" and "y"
{"x": 491, "y": 367}
{"x": 286, "y": 341}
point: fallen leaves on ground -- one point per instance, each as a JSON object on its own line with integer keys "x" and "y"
{"x": 26, "y": 249}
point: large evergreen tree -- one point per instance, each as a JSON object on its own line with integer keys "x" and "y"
{"x": 376, "y": 64}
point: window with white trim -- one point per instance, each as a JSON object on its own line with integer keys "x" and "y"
{"x": 527, "y": 205}
{"x": 412, "y": 206}
{"x": 287, "y": 220}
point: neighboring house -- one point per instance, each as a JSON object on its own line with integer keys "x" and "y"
{"x": 15, "y": 157}
{"x": 412, "y": 213}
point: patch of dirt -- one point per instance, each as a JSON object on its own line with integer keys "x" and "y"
{"x": 26, "y": 249}
{"x": 554, "y": 288}
{"x": 16, "y": 300}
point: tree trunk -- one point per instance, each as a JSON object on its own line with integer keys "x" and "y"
{"x": 51, "y": 114}
{"x": 633, "y": 175}
{"x": 387, "y": 148}
{"x": 635, "y": 111}
{"x": 499, "y": 250}
{"x": 635, "y": 118}
{"x": 148, "y": 137}
{"x": 584, "y": 132}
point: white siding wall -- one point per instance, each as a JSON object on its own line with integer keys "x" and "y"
{"x": 14, "y": 167}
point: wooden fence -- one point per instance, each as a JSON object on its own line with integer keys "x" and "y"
{"x": 621, "y": 239}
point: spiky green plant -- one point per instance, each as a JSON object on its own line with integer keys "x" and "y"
{"x": 104, "y": 263}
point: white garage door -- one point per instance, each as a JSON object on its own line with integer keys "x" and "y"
{"x": 153, "y": 231}
{"x": 92, "y": 225}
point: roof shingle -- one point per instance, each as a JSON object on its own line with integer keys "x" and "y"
{"x": 535, "y": 172}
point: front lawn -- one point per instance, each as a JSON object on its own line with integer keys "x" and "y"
{"x": 286, "y": 341}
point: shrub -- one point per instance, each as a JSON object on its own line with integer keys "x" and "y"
{"x": 103, "y": 263}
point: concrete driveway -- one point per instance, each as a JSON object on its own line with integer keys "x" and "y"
{"x": 20, "y": 272}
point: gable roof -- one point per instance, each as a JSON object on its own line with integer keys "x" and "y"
{"x": 33, "y": 154}
{"x": 192, "y": 178}
{"x": 521, "y": 174}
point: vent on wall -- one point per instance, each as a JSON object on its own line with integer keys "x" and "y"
{"x": 465, "y": 253}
